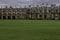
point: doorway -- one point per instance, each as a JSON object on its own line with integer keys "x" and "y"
{"x": 9, "y": 17}
{"x": 0, "y": 17}
{"x": 4, "y": 17}
{"x": 13, "y": 17}
{"x": 40, "y": 17}
{"x": 45, "y": 16}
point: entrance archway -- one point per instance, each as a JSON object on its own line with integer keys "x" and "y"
{"x": 40, "y": 17}
{"x": 4, "y": 17}
{"x": 9, "y": 17}
{"x": 0, "y": 17}
{"x": 13, "y": 17}
{"x": 45, "y": 16}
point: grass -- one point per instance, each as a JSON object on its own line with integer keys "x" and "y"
{"x": 29, "y": 30}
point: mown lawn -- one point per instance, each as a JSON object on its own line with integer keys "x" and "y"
{"x": 29, "y": 30}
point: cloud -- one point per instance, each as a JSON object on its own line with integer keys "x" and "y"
{"x": 2, "y": 4}
{"x": 27, "y": 2}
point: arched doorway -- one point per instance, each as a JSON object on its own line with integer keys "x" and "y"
{"x": 0, "y": 17}
{"x": 45, "y": 16}
{"x": 9, "y": 17}
{"x": 13, "y": 17}
{"x": 4, "y": 17}
{"x": 40, "y": 17}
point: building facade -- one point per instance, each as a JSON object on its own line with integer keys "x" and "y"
{"x": 33, "y": 13}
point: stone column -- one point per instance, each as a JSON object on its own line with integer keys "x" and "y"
{"x": 59, "y": 16}
{"x": 53, "y": 16}
{"x": 2, "y": 17}
{"x": 6, "y": 15}
{"x": 38, "y": 16}
{"x": 48, "y": 16}
{"x": 2, "y": 14}
{"x": 11, "y": 17}
{"x": 16, "y": 17}
{"x": 43, "y": 16}
{"x": 30, "y": 16}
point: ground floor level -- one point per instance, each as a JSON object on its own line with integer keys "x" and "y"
{"x": 32, "y": 16}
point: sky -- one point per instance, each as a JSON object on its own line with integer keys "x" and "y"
{"x": 27, "y": 2}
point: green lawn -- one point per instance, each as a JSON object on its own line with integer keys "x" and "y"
{"x": 29, "y": 30}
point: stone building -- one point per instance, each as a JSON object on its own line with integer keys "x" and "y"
{"x": 38, "y": 12}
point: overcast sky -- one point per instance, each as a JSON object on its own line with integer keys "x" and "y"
{"x": 26, "y": 2}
